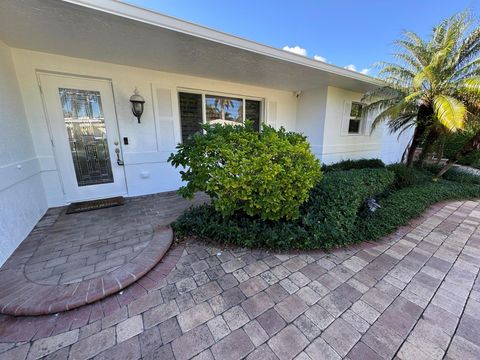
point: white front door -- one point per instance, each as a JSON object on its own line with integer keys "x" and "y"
{"x": 83, "y": 126}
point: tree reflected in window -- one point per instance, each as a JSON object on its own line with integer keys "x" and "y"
{"x": 223, "y": 110}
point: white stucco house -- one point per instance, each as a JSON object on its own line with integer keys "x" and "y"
{"x": 67, "y": 72}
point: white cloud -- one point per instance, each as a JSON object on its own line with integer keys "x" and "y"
{"x": 301, "y": 51}
{"x": 296, "y": 50}
{"x": 354, "y": 68}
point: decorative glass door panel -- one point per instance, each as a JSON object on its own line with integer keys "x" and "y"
{"x": 87, "y": 136}
{"x": 85, "y": 139}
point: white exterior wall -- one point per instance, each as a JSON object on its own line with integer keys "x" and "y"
{"x": 393, "y": 145}
{"x": 152, "y": 141}
{"x": 22, "y": 200}
{"x": 311, "y": 117}
{"x": 338, "y": 145}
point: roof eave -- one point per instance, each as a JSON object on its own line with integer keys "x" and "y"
{"x": 150, "y": 17}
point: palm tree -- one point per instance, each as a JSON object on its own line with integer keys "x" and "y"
{"x": 223, "y": 104}
{"x": 432, "y": 85}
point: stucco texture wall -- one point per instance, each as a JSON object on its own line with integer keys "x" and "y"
{"x": 22, "y": 199}
{"x": 311, "y": 109}
{"x": 338, "y": 144}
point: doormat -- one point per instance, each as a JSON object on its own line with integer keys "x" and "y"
{"x": 95, "y": 204}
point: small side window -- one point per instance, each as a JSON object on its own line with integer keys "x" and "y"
{"x": 191, "y": 116}
{"x": 252, "y": 112}
{"x": 355, "y": 121}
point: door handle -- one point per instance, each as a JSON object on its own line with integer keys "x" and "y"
{"x": 119, "y": 161}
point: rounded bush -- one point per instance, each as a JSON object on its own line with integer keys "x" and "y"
{"x": 265, "y": 174}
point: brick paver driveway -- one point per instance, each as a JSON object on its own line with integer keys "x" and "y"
{"x": 415, "y": 295}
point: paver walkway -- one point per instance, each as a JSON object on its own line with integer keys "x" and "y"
{"x": 414, "y": 295}
{"x": 68, "y": 261}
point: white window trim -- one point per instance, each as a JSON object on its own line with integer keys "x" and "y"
{"x": 347, "y": 118}
{"x": 231, "y": 95}
{"x": 361, "y": 119}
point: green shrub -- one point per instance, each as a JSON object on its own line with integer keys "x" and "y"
{"x": 405, "y": 176}
{"x": 327, "y": 219}
{"x": 266, "y": 175}
{"x": 401, "y": 206}
{"x": 333, "y": 214}
{"x": 336, "y": 201}
{"x": 354, "y": 164}
{"x": 206, "y": 223}
{"x": 455, "y": 141}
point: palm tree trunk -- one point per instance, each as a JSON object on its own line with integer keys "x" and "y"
{"x": 441, "y": 150}
{"x": 470, "y": 146}
{"x": 428, "y": 145}
{"x": 416, "y": 140}
{"x": 423, "y": 120}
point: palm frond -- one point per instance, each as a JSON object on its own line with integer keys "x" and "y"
{"x": 384, "y": 92}
{"x": 402, "y": 123}
{"x": 418, "y": 52}
{"x": 392, "y": 113}
{"x": 438, "y": 33}
{"x": 450, "y": 112}
{"x": 472, "y": 85}
{"x": 470, "y": 47}
{"x": 414, "y": 38}
{"x": 413, "y": 62}
{"x": 374, "y": 108}
{"x": 396, "y": 71}
{"x": 466, "y": 70}
{"x": 420, "y": 79}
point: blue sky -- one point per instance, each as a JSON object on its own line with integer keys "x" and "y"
{"x": 344, "y": 32}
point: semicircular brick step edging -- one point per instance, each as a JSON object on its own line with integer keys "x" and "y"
{"x": 20, "y": 296}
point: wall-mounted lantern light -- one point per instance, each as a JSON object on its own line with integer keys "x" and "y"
{"x": 137, "y": 104}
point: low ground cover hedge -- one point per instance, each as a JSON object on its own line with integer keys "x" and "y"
{"x": 354, "y": 164}
{"x": 405, "y": 177}
{"x": 335, "y": 212}
{"x": 407, "y": 203}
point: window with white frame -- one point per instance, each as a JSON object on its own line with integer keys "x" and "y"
{"x": 219, "y": 109}
{"x": 223, "y": 110}
{"x": 356, "y": 118}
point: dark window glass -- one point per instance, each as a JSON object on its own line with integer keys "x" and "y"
{"x": 190, "y": 114}
{"x": 252, "y": 112}
{"x": 355, "y": 118}
{"x": 354, "y": 126}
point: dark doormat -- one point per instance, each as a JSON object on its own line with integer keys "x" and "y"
{"x": 95, "y": 204}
